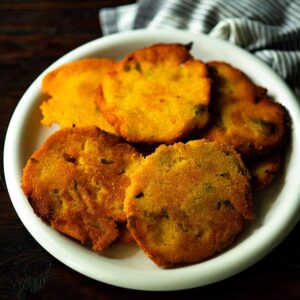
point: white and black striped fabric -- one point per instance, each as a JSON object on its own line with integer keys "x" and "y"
{"x": 270, "y": 29}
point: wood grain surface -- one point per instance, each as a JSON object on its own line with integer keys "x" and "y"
{"x": 33, "y": 34}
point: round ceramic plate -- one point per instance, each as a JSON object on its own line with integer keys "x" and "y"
{"x": 277, "y": 208}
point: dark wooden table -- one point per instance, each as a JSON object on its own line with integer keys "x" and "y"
{"x": 33, "y": 34}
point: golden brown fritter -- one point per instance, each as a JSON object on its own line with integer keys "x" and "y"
{"x": 125, "y": 237}
{"x": 76, "y": 183}
{"x": 156, "y": 94}
{"x": 187, "y": 202}
{"x": 71, "y": 89}
{"x": 263, "y": 170}
{"x": 242, "y": 115}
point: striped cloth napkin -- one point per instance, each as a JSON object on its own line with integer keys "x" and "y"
{"x": 269, "y": 29}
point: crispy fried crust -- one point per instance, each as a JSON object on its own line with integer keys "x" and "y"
{"x": 71, "y": 92}
{"x": 157, "y": 94}
{"x": 76, "y": 183}
{"x": 263, "y": 170}
{"x": 187, "y": 202}
{"x": 125, "y": 237}
{"x": 242, "y": 115}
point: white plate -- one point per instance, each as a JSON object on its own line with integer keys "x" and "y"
{"x": 277, "y": 209}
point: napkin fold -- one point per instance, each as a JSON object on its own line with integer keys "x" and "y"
{"x": 269, "y": 29}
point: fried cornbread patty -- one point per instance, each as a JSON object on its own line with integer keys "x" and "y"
{"x": 72, "y": 91}
{"x": 187, "y": 202}
{"x": 263, "y": 170}
{"x": 242, "y": 115}
{"x": 156, "y": 94}
{"x": 76, "y": 183}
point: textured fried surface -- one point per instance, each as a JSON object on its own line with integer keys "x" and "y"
{"x": 72, "y": 91}
{"x": 125, "y": 237}
{"x": 76, "y": 183}
{"x": 263, "y": 170}
{"x": 242, "y": 115}
{"x": 187, "y": 202}
{"x": 157, "y": 94}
